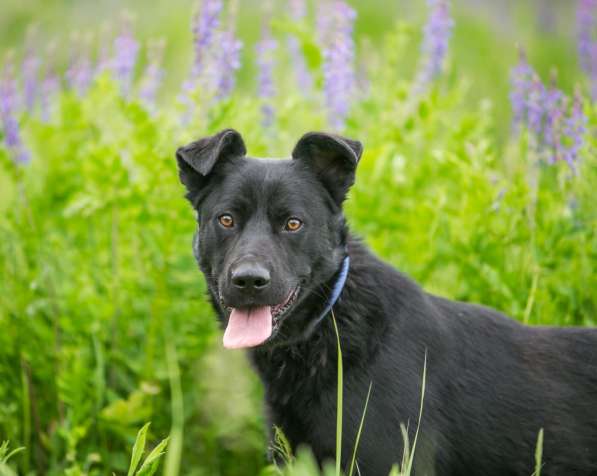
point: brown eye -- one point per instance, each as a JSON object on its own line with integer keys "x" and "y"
{"x": 226, "y": 220}
{"x": 293, "y": 224}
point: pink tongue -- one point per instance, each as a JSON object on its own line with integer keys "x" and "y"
{"x": 248, "y": 327}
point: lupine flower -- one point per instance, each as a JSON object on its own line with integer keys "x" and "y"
{"x": 50, "y": 86}
{"x": 586, "y": 19}
{"x": 205, "y": 25}
{"x": 587, "y": 40}
{"x": 520, "y": 78}
{"x": 574, "y": 129}
{"x": 80, "y": 72}
{"x": 436, "y": 36}
{"x": 229, "y": 62}
{"x": 555, "y": 132}
{"x": 298, "y": 11}
{"x": 153, "y": 75}
{"x": 265, "y": 50}
{"x": 535, "y": 105}
{"x": 30, "y": 71}
{"x": 228, "y": 55}
{"x": 335, "y": 27}
{"x": 8, "y": 111}
{"x": 555, "y": 108}
{"x": 126, "y": 50}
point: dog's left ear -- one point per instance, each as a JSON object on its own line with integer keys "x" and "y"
{"x": 197, "y": 160}
{"x": 333, "y": 158}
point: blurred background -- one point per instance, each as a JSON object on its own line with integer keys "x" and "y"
{"x": 478, "y": 119}
{"x": 483, "y": 45}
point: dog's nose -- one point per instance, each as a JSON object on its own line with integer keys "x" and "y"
{"x": 250, "y": 277}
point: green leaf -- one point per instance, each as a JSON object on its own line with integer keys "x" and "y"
{"x": 138, "y": 449}
{"x": 150, "y": 465}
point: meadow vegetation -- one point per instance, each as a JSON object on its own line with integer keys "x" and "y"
{"x": 104, "y": 325}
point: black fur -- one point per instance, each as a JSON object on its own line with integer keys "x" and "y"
{"x": 491, "y": 384}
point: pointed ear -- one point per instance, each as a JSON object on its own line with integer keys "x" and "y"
{"x": 333, "y": 158}
{"x": 197, "y": 159}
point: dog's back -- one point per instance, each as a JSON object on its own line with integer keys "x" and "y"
{"x": 492, "y": 384}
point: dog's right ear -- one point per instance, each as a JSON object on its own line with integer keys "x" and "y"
{"x": 198, "y": 159}
{"x": 333, "y": 159}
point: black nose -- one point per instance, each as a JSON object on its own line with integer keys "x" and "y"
{"x": 250, "y": 277}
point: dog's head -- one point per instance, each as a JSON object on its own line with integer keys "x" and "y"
{"x": 271, "y": 235}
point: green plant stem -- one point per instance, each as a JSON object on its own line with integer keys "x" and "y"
{"x": 338, "y": 403}
{"x": 173, "y": 457}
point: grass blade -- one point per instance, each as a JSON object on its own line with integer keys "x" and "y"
{"x": 174, "y": 456}
{"x": 538, "y": 454}
{"x": 358, "y": 438}
{"x": 405, "y": 448}
{"x": 338, "y": 403}
{"x": 138, "y": 449}
{"x": 412, "y": 454}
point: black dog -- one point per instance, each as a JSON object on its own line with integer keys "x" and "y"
{"x": 276, "y": 253}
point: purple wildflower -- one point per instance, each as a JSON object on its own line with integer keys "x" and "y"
{"x": 553, "y": 133}
{"x": 229, "y": 62}
{"x": 335, "y": 27}
{"x": 50, "y": 86}
{"x": 436, "y": 36}
{"x": 153, "y": 75}
{"x": 298, "y": 11}
{"x": 228, "y": 55}
{"x": 205, "y": 28}
{"x": 205, "y": 25}
{"x": 30, "y": 69}
{"x": 556, "y": 134}
{"x": 265, "y": 50}
{"x": 586, "y": 19}
{"x": 80, "y": 72}
{"x": 520, "y": 78}
{"x": 535, "y": 105}
{"x": 587, "y": 40}
{"x": 8, "y": 110}
{"x": 574, "y": 129}
{"x": 303, "y": 77}
{"x": 126, "y": 50}
{"x": 555, "y": 108}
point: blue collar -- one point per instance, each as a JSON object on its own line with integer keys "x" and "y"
{"x": 336, "y": 290}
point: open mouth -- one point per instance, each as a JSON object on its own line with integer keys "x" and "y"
{"x": 253, "y": 326}
{"x": 279, "y": 310}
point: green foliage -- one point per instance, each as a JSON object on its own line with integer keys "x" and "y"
{"x": 103, "y": 321}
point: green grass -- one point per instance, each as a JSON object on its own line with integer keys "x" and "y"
{"x": 103, "y": 321}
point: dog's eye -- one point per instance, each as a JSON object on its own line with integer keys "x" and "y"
{"x": 226, "y": 220}
{"x": 293, "y": 224}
